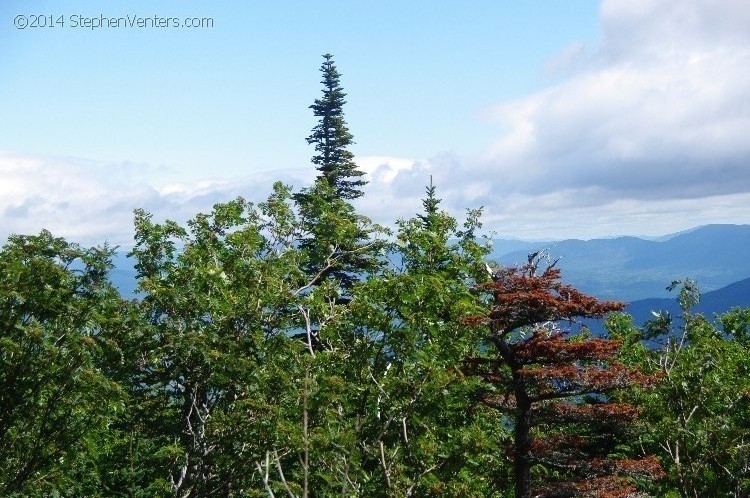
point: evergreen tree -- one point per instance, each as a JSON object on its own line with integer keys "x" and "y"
{"x": 430, "y": 204}
{"x": 331, "y": 137}
{"x": 340, "y": 246}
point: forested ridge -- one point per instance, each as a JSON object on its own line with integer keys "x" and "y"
{"x": 291, "y": 347}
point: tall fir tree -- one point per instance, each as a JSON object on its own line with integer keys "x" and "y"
{"x": 331, "y": 137}
{"x": 340, "y": 245}
{"x": 430, "y": 204}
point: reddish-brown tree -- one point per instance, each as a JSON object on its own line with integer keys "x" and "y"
{"x": 555, "y": 388}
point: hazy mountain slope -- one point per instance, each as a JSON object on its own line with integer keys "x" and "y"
{"x": 123, "y": 276}
{"x": 501, "y": 247}
{"x": 718, "y": 301}
{"x": 629, "y": 268}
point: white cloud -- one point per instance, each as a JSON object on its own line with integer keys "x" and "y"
{"x": 395, "y": 187}
{"x": 384, "y": 169}
{"x": 91, "y": 202}
{"x": 70, "y": 197}
{"x": 660, "y": 27}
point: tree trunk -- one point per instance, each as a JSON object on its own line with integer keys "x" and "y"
{"x": 521, "y": 447}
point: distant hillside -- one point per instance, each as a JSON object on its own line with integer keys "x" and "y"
{"x": 718, "y": 301}
{"x": 501, "y": 247}
{"x": 123, "y": 275}
{"x": 630, "y": 268}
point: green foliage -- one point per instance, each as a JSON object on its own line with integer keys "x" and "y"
{"x": 247, "y": 368}
{"x": 212, "y": 362}
{"x": 336, "y": 242}
{"x": 696, "y": 420}
{"x": 384, "y": 408}
{"x": 56, "y": 399}
{"x": 736, "y": 324}
{"x": 420, "y": 434}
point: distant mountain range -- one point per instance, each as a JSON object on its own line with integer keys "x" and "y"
{"x": 629, "y": 269}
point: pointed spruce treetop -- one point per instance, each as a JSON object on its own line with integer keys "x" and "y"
{"x": 430, "y": 204}
{"x": 331, "y": 137}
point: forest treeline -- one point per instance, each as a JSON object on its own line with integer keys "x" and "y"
{"x": 291, "y": 347}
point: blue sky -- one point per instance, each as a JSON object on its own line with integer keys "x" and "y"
{"x": 563, "y": 118}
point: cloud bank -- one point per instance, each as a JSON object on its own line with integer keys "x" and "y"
{"x": 652, "y": 119}
{"x": 643, "y": 132}
{"x": 92, "y": 202}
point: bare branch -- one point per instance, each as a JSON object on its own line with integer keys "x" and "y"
{"x": 386, "y": 472}
{"x": 264, "y": 476}
{"x": 410, "y": 491}
{"x": 281, "y": 475}
{"x": 308, "y": 328}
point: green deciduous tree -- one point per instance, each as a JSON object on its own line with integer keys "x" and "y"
{"x": 386, "y": 411}
{"x": 56, "y": 397}
{"x": 214, "y": 367}
{"x": 696, "y": 419}
{"x": 419, "y": 436}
